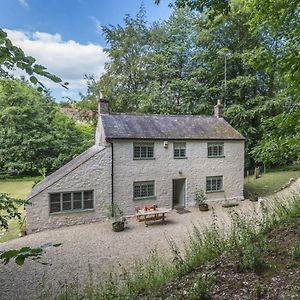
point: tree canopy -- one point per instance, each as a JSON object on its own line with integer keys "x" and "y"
{"x": 177, "y": 66}
{"x": 34, "y": 136}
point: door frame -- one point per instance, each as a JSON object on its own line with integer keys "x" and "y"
{"x": 183, "y": 204}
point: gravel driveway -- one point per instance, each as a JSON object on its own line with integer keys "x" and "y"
{"x": 95, "y": 247}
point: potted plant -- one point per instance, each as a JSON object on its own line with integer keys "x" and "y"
{"x": 119, "y": 220}
{"x": 200, "y": 200}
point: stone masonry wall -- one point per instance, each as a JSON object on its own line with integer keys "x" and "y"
{"x": 164, "y": 168}
{"x": 94, "y": 174}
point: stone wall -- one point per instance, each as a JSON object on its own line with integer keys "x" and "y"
{"x": 94, "y": 174}
{"x": 164, "y": 168}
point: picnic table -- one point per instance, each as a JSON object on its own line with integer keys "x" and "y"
{"x": 152, "y": 215}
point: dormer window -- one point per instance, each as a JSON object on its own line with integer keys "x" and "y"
{"x": 215, "y": 150}
{"x": 143, "y": 151}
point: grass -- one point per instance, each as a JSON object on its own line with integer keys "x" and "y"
{"x": 245, "y": 247}
{"x": 269, "y": 182}
{"x": 18, "y": 188}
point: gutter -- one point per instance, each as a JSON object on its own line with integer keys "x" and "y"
{"x": 112, "y": 178}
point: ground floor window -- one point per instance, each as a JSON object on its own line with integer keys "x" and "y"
{"x": 214, "y": 183}
{"x": 143, "y": 189}
{"x": 71, "y": 201}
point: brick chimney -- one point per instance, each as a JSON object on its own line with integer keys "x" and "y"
{"x": 218, "y": 110}
{"x": 102, "y": 104}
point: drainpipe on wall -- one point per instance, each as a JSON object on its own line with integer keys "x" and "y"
{"x": 112, "y": 178}
{"x": 103, "y": 109}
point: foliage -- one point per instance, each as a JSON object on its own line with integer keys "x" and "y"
{"x": 295, "y": 250}
{"x": 12, "y": 57}
{"x": 280, "y": 143}
{"x": 9, "y": 209}
{"x": 247, "y": 245}
{"x": 200, "y": 289}
{"x": 177, "y": 67}
{"x": 20, "y": 255}
{"x": 34, "y": 136}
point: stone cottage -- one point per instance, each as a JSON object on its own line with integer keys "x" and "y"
{"x": 142, "y": 159}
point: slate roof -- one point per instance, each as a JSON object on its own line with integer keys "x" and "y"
{"x": 167, "y": 127}
{"x": 64, "y": 170}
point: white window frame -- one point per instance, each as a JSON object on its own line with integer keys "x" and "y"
{"x": 179, "y": 150}
{"x": 139, "y": 150}
{"x": 214, "y": 184}
{"x": 215, "y": 149}
{"x": 143, "y": 187}
{"x": 72, "y": 209}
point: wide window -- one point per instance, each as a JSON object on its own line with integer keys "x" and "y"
{"x": 214, "y": 184}
{"x": 143, "y": 189}
{"x": 143, "y": 151}
{"x": 215, "y": 149}
{"x": 71, "y": 201}
{"x": 179, "y": 150}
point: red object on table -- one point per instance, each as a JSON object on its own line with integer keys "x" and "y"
{"x": 150, "y": 207}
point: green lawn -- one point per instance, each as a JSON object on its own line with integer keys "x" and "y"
{"x": 17, "y": 188}
{"x": 269, "y": 182}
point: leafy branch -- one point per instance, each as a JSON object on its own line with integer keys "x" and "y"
{"x": 12, "y": 57}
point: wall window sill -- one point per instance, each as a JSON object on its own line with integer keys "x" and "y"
{"x": 210, "y": 192}
{"x": 71, "y": 212}
{"x": 144, "y": 198}
{"x": 180, "y": 157}
{"x": 221, "y": 156}
{"x": 144, "y": 158}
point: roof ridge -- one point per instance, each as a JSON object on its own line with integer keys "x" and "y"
{"x": 158, "y": 115}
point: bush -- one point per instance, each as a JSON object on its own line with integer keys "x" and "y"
{"x": 246, "y": 244}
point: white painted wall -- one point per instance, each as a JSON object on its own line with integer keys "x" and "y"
{"x": 94, "y": 174}
{"x": 164, "y": 168}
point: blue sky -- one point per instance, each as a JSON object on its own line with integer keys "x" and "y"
{"x": 65, "y": 35}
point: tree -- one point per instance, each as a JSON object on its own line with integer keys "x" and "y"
{"x": 12, "y": 57}
{"x": 126, "y": 77}
{"x": 280, "y": 143}
{"x": 34, "y": 136}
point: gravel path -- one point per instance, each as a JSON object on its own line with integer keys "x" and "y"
{"x": 95, "y": 247}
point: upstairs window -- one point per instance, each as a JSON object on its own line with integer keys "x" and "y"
{"x": 143, "y": 189}
{"x": 143, "y": 151}
{"x": 179, "y": 150}
{"x": 214, "y": 184}
{"x": 71, "y": 201}
{"x": 215, "y": 149}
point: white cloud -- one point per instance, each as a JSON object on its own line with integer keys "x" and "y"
{"x": 24, "y": 3}
{"x": 69, "y": 60}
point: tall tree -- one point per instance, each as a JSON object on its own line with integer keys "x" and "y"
{"x": 34, "y": 136}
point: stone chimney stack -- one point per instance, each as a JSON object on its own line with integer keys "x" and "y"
{"x": 102, "y": 104}
{"x": 218, "y": 110}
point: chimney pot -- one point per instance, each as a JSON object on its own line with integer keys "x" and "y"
{"x": 102, "y": 104}
{"x": 218, "y": 109}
